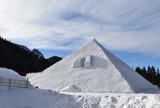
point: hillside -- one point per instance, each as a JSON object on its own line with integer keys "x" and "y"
{"x": 21, "y": 59}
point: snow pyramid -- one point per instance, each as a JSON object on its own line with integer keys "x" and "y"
{"x": 92, "y": 69}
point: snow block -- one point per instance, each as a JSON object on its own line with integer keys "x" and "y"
{"x": 88, "y": 61}
{"x": 79, "y": 63}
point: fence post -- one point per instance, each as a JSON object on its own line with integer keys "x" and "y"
{"x": 27, "y": 83}
{"x": 19, "y": 83}
{"x": 9, "y": 86}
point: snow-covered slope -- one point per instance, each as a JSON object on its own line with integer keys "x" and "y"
{"x": 8, "y": 73}
{"x": 92, "y": 69}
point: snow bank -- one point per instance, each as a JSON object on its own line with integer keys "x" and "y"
{"x": 35, "y": 98}
{"x": 8, "y": 73}
{"x": 93, "y": 69}
{"x": 103, "y": 100}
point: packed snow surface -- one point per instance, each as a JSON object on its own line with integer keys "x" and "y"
{"x": 92, "y": 69}
{"x": 8, "y": 73}
{"x": 36, "y": 98}
{"x": 72, "y": 88}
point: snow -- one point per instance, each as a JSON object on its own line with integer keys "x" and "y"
{"x": 117, "y": 100}
{"x": 70, "y": 97}
{"x": 8, "y": 73}
{"x": 36, "y": 98}
{"x": 79, "y": 62}
{"x": 92, "y": 69}
{"x": 71, "y": 88}
{"x": 83, "y": 62}
{"x": 88, "y": 61}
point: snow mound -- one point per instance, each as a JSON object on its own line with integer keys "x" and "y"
{"x": 93, "y": 69}
{"x": 71, "y": 88}
{"x": 8, "y": 73}
{"x": 36, "y": 98}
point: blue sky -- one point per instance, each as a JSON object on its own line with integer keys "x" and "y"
{"x": 129, "y": 28}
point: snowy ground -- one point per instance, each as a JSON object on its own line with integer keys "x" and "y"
{"x": 35, "y": 98}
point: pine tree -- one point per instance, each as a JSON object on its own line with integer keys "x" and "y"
{"x": 153, "y": 75}
{"x": 144, "y": 72}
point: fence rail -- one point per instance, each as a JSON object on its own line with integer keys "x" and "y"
{"x": 8, "y": 82}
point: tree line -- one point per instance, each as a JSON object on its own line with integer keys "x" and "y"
{"x": 150, "y": 73}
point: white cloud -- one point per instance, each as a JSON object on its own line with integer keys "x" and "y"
{"x": 128, "y": 25}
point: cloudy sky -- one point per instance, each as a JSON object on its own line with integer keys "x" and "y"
{"x": 128, "y": 28}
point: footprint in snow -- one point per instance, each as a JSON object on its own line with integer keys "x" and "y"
{"x": 114, "y": 100}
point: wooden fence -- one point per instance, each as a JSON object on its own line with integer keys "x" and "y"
{"x": 8, "y": 82}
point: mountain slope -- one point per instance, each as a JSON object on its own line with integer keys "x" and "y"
{"x": 21, "y": 59}
{"x": 38, "y": 53}
{"x": 54, "y": 59}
